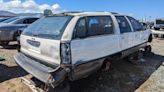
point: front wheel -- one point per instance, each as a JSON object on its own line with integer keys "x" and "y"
{"x": 148, "y": 49}
{"x": 150, "y": 38}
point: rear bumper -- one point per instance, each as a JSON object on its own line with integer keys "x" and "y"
{"x": 38, "y": 70}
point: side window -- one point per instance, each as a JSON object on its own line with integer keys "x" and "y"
{"x": 25, "y": 21}
{"x": 81, "y": 29}
{"x": 100, "y": 25}
{"x": 31, "y": 20}
{"x": 123, "y": 24}
{"x": 137, "y": 26}
{"x": 19, "y": 21}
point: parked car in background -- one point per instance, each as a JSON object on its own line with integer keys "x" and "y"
{"x": 3, "y": 19}
{"x": 73, "y": 45}
{"x": 159, "y": 24}
{"x": 11, "y": 28}
{"x": 158, "y": 30}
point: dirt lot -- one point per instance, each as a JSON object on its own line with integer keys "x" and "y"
{"x": 122, "y": 77}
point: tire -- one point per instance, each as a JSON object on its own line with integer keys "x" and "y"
{"x": 148, "y": 49}
{"x": 63, "y": 87}
{"x": 150, "y": 38}
{"x": 156, "y": 28}
{"x": 162, "y": 36}
{"x": 155, "y": 35}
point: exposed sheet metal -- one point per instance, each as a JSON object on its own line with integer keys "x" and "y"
{"x": 85, "y": 69}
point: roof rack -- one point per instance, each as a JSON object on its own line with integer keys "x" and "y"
{"x": 69, "y": 12}
{"x": 114, "y": 13}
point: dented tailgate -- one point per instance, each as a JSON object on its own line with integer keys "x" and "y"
{"x": 46, "y": 50}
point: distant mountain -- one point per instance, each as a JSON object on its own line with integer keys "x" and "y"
{"x": 30, "y": 14}
{"x": 7, "y": 14}
{"x": 10, "y": 14}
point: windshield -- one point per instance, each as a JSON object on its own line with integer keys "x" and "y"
{"x": 9, "y": 20}
{"x": 48, "y": 27}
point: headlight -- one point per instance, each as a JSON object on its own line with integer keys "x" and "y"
{"x": 0, "y": 31}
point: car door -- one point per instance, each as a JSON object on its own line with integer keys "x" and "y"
{"x": 140, "y": 33}
{"x": 126, "y": 34}
{"x": 94, "y": 38}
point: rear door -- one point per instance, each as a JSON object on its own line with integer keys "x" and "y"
{"x": 94, "y": 38}
{"x": 126, "y": 34}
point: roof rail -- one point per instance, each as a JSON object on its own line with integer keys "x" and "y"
{"x": 110, "y": 12}
{"x": 114, "y": 13}
{"x": 69, "y": 12}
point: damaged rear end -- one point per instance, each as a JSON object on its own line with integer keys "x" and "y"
{"x": 41, "y": 48}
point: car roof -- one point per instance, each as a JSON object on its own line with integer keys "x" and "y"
{"x": 87, "y": 13}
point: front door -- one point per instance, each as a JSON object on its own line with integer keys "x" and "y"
{"x": 140, "y": 34}
{"x": 126, "y": 34}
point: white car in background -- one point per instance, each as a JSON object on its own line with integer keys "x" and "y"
{"x": 158, "y": 29}
{"x": 158, "y": 33}
{"x": 73, "y": 45}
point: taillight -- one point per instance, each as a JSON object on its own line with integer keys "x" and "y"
{"x": 65, "y": 53}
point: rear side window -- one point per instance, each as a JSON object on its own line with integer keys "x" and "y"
{"x": 99, "y": 25}
{"x": 81, "y": 29}
{"x": 31, "y": 20}
{"x": 123, "y": 24}
{"x": 137, "y": 26}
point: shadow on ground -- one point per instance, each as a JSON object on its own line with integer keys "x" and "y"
{"x": 122, "y": 77}
{"x": 7, "y": 73}
{"x": 11, "y": 47}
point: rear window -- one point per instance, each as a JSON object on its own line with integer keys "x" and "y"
{"x": 48, "y": 27}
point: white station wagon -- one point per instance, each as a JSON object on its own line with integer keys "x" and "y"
{"x": 73, "y": 45}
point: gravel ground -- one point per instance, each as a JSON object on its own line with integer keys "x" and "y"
{"x": 155, "y": 83}
{"x": 122, "y": 77}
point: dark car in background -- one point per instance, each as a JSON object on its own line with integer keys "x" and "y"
{"x": 11, "y": 28}
{"x": 3, "y": 19}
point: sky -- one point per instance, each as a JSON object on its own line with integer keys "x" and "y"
{"x": 149, "y": 9}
